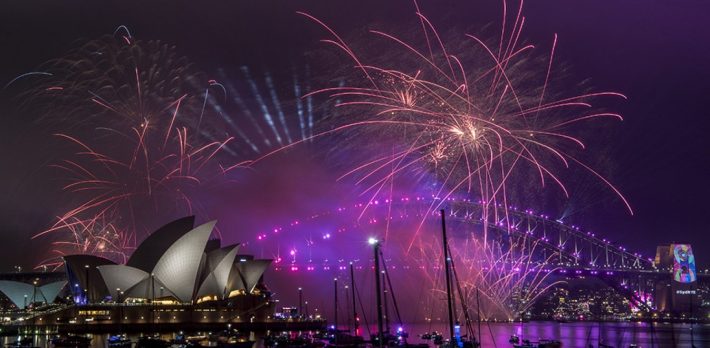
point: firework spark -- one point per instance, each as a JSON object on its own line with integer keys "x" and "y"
{"x": 119, "y": 80}
{"x": 506, "y": 273}
{"x": 115, "y": 80}
{"x": 148, "y": 145}
{"x": 485, "y": 120}
{"x": 478, "y": 118}
{"x": 511, "y": 271}
{"x": 154, "y": 174}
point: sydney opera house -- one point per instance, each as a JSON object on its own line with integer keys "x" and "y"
{"x": 176, "y": 276}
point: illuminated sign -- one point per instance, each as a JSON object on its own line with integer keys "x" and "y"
{"x": 683, "y": 263}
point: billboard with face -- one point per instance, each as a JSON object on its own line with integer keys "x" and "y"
{"x": 683, "y": 263}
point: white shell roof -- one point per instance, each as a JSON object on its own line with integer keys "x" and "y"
{"x": 216, "y": 281}
{"x": 121, "y": 277}
{"x": 22, "y": 294}
{"x": 178, "y": 267}
{"x": 250, "y": 272}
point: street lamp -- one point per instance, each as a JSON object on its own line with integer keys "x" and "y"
{"x": 86, "y": 293}
{"x": 34, "y": 291}
{"x": 122, "y": 305}
{"x": 118, "y": 302}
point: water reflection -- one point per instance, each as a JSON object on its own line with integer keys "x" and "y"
{"x": 582, "y": 335}
{"x": 577, "y": 335}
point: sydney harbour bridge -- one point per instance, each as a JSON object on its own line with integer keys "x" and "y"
{"x": 565, "y": 251}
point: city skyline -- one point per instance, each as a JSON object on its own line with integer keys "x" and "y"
{"x": 623, "y": 56}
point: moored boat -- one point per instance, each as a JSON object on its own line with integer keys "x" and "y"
{"x": 119, "y": 341}
{"x": 152, "y": 342}
{"x": 540, "y": 344}
{"x": 71, "y": 341}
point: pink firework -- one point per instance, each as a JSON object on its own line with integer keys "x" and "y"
{"x": 145, "y": 174}
{"x": 118, "y": 80}
{"x": 506, "y": 274}
{"x": 90, "y": 236}
{"x": 478, "y": 117}
{"x": 147, "y": 147}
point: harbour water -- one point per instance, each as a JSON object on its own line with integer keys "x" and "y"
{"x": 584, "y": 334}
{"x": 575, "y": 335}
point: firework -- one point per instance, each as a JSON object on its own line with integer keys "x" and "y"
{"x": 507, "y": 273}
{"x": 147, "y": 143}
{"x": 115, "y": 80}
{"x": 479, "y": 117}
{"x": 144, "y": 177}
{"x": 511, "y": 271}
{"x": 91, "y": 236}
{"x": 119, "y": 80}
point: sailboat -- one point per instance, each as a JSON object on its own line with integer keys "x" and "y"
{"x": 472, "y": 342}
{"x": 340, "y": 338}
{"x": 455, "y": 338}
{"x": 383, "y": 337}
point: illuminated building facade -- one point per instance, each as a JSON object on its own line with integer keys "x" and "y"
{"x": 681, "y": 291}
{"x": 177, "y": 264}
{"x": 177, "y": 276}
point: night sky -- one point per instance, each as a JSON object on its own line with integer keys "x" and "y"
{"x": 655, "y": 52}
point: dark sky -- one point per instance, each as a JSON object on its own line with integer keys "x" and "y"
{"x": 655, "y": 52}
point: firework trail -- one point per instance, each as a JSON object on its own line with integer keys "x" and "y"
{"x": 508, "y": 274}
{"x": 115, "y": 80}
{"x": 149, "y": 137}
{"x": 94, "y": 237}
{"x": 479, "y": 118}
{"x": 153, "y": 177}
{"x": 485, "y": 121}
{"x": 151, "y": 134}
{"x": 511, "y": 271}
{"x": 119, "y": 80}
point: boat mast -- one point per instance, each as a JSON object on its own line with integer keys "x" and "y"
{"x": 378, "y": 291}
{"x": 386, "y": 308}
{"x": 447, "y": 260}
{"x": 335, "y": 291}
{"x": 352, "y": 286}
{"x": 391, "y": 290}
{"x": 478, "y": 313}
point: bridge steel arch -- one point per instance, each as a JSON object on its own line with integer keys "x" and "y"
{"x": 570, "y": 246}
{"x": 571, "y": 251}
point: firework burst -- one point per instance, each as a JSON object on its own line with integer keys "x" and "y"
{"x": 116, "y": 79}
{"x": 481, "y": 121}
{"x": 92, "y": 236}
{"x": 478, "y": 117}
{"x": 146, "y": 147}
{"x": 154, "y": 174}
{"x": 119, "y": 80}
{"x": 506, "y": 273}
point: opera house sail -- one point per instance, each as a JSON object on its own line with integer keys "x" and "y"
{"x": 177, "y": 267}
